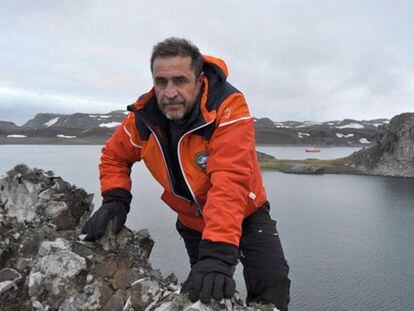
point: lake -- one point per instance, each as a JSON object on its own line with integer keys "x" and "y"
{"x": 348, "y": 239}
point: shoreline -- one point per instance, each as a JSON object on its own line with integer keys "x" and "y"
{"x": 339, "y": 166}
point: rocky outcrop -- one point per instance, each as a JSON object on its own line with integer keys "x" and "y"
{"x": 393, "y": 155}
{"x": 44, "y": 265}
{"x": 261, "y": 156}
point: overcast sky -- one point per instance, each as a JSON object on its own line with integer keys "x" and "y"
{"x": 294, "y": 60}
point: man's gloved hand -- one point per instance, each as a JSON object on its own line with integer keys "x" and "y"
{"x": 212, "y": 275}
{"x": 115, "y": 207}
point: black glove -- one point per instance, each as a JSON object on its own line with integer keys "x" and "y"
{"x": 115, "y": 207}
{"x": 212, "y": 275}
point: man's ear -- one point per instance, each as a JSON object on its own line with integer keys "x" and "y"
{"x": 200, "y": 79}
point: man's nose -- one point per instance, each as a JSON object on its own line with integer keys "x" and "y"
{"x": 171, "y": 90}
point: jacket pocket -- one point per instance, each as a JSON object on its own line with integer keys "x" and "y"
{"x": 180, "y": 206}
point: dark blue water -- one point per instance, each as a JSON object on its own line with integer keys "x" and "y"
{"x": 349, "y": 240}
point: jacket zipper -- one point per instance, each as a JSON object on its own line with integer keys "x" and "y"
{"x": 197, "y": 205}
{"x": 199, "y": 211}
{"x": 165, "y": 162}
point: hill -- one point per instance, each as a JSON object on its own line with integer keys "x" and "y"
{"x": 84, "y": 128}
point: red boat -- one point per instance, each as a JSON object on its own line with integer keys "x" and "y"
{"x": 312, "y": 150}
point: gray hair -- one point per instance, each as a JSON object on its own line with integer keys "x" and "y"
{"x": 179, "y": 47}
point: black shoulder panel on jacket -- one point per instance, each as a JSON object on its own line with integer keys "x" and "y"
{"x": 209, "y": 130}
{"x": 143, "y": 130}
{"x": 227, "y": 91}
{"x": 219, "y": 90}
{"x": 219, "y": 94}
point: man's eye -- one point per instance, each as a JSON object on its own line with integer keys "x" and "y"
{"x": 180, "y": 81}
{"x": 160, "y": 83}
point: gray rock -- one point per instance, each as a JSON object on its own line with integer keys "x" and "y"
{"x": 55, "y": 208}
{"x": 44, "y": 267}
{"x": 37, "y": 305}
{"x": 20, "y": 198}
{"x": 9, "y": 280}
{"x": 7, "y": 286}
{"x": 8, "y": 274}
{"x": 178, "y": 302}
{"x": 115, "y": 303}
{"x": 87, "y": 299}
{"x": 55, "y": 268}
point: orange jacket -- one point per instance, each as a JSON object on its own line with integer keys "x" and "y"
{"x": 217, "y": 156}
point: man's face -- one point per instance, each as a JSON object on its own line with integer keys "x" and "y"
{"x": 176, "y": 87}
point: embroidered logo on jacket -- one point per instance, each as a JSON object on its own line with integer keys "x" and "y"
{"x": 226, "y": 112}
{"x": 200, "y": 160}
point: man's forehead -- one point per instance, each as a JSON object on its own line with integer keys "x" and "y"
{"x": 173, "y": 63}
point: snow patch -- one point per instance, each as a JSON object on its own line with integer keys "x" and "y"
{"x": 351, "y": 126}
{"x": 340, "y": 135}
{"x": 364, "y": 141}
{"x": 301, "y": 135}
{"x": 378, "y": 124}
{"x": 99, "y": 117}
{"x": 51, "y": 122}
{"x": 65, "y": 136}
{"x": 111, "y": 124}
{"x": 308, "y": 123}
{"x": 280, "y": 125}
{"x": 16, "y": 136}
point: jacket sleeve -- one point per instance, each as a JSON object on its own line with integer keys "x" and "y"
{"x": 118, "y": 155}
{"x": 229, "y": 165}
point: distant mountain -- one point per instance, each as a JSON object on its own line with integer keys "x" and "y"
{"x": 347, "y": 132}
{"x": 84, "y": 128}
{"x": 51, "y": 128}
{"x": 8, "y": 125}
{"x": 75, "y": 121}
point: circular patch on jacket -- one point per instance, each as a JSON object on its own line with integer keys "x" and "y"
{"x": 200, "y": 160}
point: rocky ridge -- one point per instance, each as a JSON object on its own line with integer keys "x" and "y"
{"x": 45, "y": 266}
{"x": 83, "y": 128}
{"x": 49, "y": 128}
{"x": 347, "y": 132}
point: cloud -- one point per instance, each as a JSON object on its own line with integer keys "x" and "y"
{"x": 292, "y": 59}
{"x": 20, "y": 105}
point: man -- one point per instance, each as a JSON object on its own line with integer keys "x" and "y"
{"x": 195, "y": 134}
